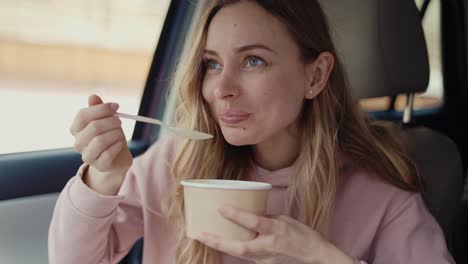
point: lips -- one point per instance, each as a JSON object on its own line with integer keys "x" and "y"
{"x": 233, "y": 116}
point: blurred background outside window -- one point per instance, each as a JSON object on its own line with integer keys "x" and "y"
{"x": 55, "y": 53}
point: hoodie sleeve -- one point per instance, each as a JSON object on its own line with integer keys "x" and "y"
{"x": 410, "y": 234}
{"x": 88, "y": 227}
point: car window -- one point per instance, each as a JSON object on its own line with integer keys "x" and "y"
{"x": 54, "y": 54}
{"x": 433, "y": 97}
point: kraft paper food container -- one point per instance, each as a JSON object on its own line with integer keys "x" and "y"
{"x": 203, "y": 198}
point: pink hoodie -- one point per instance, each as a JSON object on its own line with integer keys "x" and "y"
{"x": 370, "y": 220}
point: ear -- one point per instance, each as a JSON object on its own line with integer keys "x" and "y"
{"x": 318, "y": 73}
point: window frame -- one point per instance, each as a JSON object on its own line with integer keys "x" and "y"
{"x": 47, "y": 171}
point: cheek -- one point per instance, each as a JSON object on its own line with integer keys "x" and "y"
{"x": 283, "y": 98}
{"x": 209, "y": 99}
{"x": 207, "y": 94}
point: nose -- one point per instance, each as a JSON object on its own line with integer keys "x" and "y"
{"x": 228, "y": 87}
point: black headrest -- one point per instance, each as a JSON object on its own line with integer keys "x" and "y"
{"x": 381, "y": 44}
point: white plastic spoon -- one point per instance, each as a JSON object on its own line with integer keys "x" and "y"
{"x": 187, "y": 133}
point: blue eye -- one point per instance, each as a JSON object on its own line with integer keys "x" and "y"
{"x": 254, "y": 61}
{"x": 212, "y": 65}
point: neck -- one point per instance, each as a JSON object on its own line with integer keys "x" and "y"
{"x": 277, "y": 152}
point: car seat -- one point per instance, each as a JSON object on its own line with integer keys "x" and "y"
{"x": 383, "y": 49}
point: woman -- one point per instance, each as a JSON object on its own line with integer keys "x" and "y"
{"x": 264, "y": 79}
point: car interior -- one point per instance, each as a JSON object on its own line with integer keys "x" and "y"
{"x": 383, "y": 47}
{"x": 396, "y": 62}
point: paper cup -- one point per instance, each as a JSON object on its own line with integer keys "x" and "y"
{"x": 203, "y": 198}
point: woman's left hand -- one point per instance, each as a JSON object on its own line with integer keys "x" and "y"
{"x": 280, "y": 239}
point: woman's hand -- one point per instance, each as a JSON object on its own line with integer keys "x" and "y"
{"x": 280, "y": 240}
{"x": 100, "y": 140}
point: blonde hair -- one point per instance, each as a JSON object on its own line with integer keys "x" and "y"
{"x": 330, "y": 123}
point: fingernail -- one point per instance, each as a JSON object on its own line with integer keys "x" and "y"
{"x": 202, "y": 236}
{"x": 114, "y": 106}
{"x": 225, "y": 209}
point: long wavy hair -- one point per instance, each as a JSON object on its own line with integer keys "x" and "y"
{"x": 331, "y": 123}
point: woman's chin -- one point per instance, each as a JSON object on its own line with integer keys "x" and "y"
{"x": 237, "y": 136}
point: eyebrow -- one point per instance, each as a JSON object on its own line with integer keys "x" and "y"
{"x": 245, "y": 48}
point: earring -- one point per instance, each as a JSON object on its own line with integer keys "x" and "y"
{"x": 310, "y": 91}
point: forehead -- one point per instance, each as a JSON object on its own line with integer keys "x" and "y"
{"x": 246, "y": 23}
